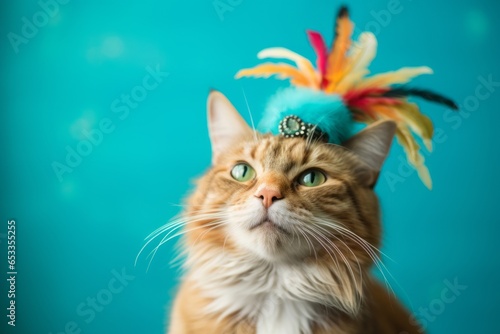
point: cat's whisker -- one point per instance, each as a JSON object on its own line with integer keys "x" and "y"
{"x": 362, "y": 240}
{"x": 319, "y": 225}
{"x": 368, "y": 249}
{"x": 224, "y": 243}
{"x": 317, "y": 237}
{"x": 175, "y": 219}
{"x": 338, "y": 251}
{"x": 215, "y": 217}
{"x": 174, "y": 225}
{"x": 345, "y": 245}
{"x": 311, "y": 245}
{"x": 180, "y": 255}
{"x": 212, "y": 227}
{"x": 156, "y": 248}
{"x": 346, "y": 232}
{"x": 151, "y": 240}
{"x": 366, "y": 246}
{"x": 165, "y": 240}
{"x": 294, "y": 234}
{"x": 179, "y": 218}
{"x": 251, "y": 117}
{"x": 180, "y": 226}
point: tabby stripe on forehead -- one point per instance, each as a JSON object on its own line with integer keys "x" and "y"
{"x": 263, "y": 148}
{"x": 253, "y": 149}
{"x": 292, "y": 146}
{"x": 287, "y": 167}
{"x": 275, "y": 149}
{"x": 322, "y": 157}
{"x": 306, "y": 155}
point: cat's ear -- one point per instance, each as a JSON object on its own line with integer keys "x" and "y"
{"x": 371, "y": 146}
{"x": 225, "y": 125}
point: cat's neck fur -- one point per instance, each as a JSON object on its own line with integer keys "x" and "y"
{"x": 279, "y": 297}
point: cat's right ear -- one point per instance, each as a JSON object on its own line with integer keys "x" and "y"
{"x": 372, "y": 145}
{"x": 225, "y": 125}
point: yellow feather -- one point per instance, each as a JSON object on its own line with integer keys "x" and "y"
{"x": 408, "y": 118}
{"x": 400, "y": 76}
{"x": 406, "y": 139}
{"x": 282, "y": 71}
{"x": 303, "y": 64}
{"x": 417, "y": 122}
{"x": 425, "y": 176}
{"x": 385, "y": 111}
{"x": 410, "y": 146}
{"x": 361, "y": 55}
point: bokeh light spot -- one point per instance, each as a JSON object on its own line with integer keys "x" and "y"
{"x": 112, "y": 47}
{"x": 83, "y": 124}
{"x": 67, "y": 188}
{"x": 477, "y": 24}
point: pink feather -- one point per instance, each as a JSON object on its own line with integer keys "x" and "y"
{"x": 319, "y": 46}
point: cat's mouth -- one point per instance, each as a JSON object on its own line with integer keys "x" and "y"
{"x": 267, "y": 223}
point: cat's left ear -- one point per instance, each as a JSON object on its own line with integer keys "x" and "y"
{"x": 225, "y": 124}
{"x": 371, "y": 145}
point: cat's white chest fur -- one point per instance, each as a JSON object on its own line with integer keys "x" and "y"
{"x": 284, "y": 317}
{"x": 269, "y": 295}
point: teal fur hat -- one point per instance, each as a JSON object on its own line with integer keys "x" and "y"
{"x": 326, "y": 112}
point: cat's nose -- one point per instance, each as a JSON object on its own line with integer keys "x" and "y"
{"x": 268, "y": 195}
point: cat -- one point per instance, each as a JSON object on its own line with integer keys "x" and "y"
{"x": 281, "y": 234}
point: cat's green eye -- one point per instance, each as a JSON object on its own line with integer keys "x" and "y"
{"x": 243, "y": 172}
{"x": 312, "y": 178}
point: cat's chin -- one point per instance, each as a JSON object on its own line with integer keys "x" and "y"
{"x": 268, "y": 226}
{"x": 269, "y": 233}
{"x": 271, "y": 242}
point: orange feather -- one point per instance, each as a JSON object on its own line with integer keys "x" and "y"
{"x": 280, "y": 70}
{"x": 337, "y": 58}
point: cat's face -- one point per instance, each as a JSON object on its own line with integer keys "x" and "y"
{"x": 287, "y": 199}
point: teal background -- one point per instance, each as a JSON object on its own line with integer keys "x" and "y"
{"x": 72, "y": 234}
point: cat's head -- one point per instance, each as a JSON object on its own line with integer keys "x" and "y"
{"x": 287, "y": 199}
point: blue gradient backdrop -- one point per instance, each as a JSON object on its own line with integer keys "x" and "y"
{"x": 76, "y": 234}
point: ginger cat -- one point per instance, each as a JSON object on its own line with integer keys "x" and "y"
{"x": 281, "y": 234}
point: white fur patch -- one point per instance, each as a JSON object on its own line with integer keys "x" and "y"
{"x": 272, "y": 295}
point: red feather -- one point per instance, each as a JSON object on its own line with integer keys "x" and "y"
{"x": 367, "y": 101}
{"x": 319, "y": 46}
{"x": 354, "y": 95}
{"x": 365, "y": 98}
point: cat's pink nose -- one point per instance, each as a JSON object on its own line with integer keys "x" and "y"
{"x": 268, "y": 195}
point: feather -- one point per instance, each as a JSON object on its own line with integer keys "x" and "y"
{"x": 417, "y": 122}
{"x": 422, "y": 93}
{"x": 319, "y": 46}
{"x": 400, "y": 76}
{"x": 280, "y": 70}
{"x": 379, "y": 111}
{"x": 362, "y": 54}
{"x": 410, "y": 146}
{"x": 367, "y": 101}
{"x": 341, "y": 44}
{"x": 403, "y": 135}
{"x": 303, "y": 64}
{"x": 353, "y": 95}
